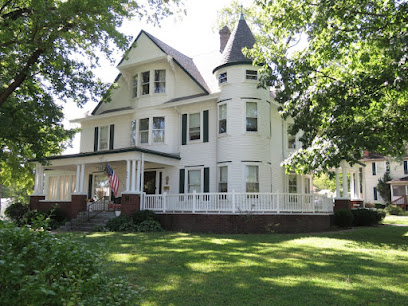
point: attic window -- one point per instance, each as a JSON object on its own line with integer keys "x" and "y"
{"x": 160, "y": 81}
{"x": 145, "y": 83}
{"x": 251, "y": 75}
{"x": 222, "y": 78}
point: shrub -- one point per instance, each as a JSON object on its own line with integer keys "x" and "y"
{"x": 143, "y": 215}
{"x": 38, "y": 268}
{"x": 394, "y": 210}
{"x": 343, "y": 218}
{"x": 380, "y": 215}
{"x": 370, "y": 205}
{"x": 364, "y": 217}
{"x": 379, "y": 205}
{"x": 122, "y": 223}
{"x": 16, "y": 212}
{"x": 149, "y": 226}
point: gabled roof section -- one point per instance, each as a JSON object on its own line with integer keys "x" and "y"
{"x": 240, "y": 38}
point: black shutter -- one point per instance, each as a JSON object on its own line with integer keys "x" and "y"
{"x": 206, "y": 179}
{"x": 96, "y": 139}
{"x": 111, "y": 136}
{"x": 184, "y": 129}
{"x": 89, "y": 186}
{"x": 182, "y": 179}
{"x": 205, "y": 126}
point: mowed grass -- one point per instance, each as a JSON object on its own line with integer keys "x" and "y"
{"x": 355, "y": 267}
{"x": 396, "y": 220}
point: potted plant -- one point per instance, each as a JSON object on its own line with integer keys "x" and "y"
{"x": 118, "y": 210}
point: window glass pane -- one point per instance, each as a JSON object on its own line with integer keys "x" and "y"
{"x": 158, "y": 123}
{"x": 144, "y": 130}
{"x": 222, "y": 78}
{"x": 101, "y": 186}
{"x": 145, "y": 83}
{"x": 160, "y": 81}
{"x": 103, "y": 138}
{"x": 194, "y": 126}
{"x": 252, "y": 181}
{"x": 292, "y": 186}
{"x": 251, "y": 75}
{"x": 252, "y": 124}
{"x": 251, "y": 116}
{"x": 135, "y": 80}
{"x": 133, "y": 133}
{"x": 223, "y": 179}
{"x": 222, "y": 118}
{"x": 194, "y": 181}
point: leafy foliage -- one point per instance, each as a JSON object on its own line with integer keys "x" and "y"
{"x": 394, "y": 210}
{"x": 383, "y": 188}
{"x": 366, "y": 217}
{"x": 340, "y": 71}
{"x": 48, "y": 52}
{"x": 38, "y": 268}
{"x": 17, "y": 212}
{"x": 122, "y": 223}
{"x": 140, "y": 221}
{"x": 343, "y": 218}
{"x": 142, "y": 215}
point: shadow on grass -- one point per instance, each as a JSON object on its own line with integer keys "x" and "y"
{"x": 367, "y": 265}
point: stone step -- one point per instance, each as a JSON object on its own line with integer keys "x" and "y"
{"x": 81, "y": 222}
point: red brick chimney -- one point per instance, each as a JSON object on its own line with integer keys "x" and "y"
{"x": 366, "y": 153}
{"x": 224, "y": 36}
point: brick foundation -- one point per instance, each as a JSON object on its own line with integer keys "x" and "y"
{"x": 357, "y": 204}
{"x": 70, "y": 209}
{"x": 341, "y": 204}
{"x": 130, "y": 203}
{"x": 245, "y": 223}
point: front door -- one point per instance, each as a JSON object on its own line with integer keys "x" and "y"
{"x": 149, "y": 185}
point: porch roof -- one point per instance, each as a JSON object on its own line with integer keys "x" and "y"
{"x": 400, "y": 181}
{"x": 115, "y": 151}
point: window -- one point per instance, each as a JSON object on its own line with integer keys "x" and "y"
{"x": 135, "y": 82}
{"x": 144, "y": 130}
{"x": 251, "y": 116}
{"x": 387, "y": 166}
{"x": 223, "y": 179}
{"x": 222, "y": 118}
{"x": 145, "y": 83}
{"x": 252, "y": 178}
{"x": 375, "y": 194}
{"x": 405, "y": 167}
{"x": 103, "y": 137}
{"x": 194, "y": 181}
{"x": 398, "y": 191}
{"x": 159, "y": 81}
{"x": 374, "y": 168}
{"x": 158, "y": 129}
{"x": 222, "y": 78}
{"x": 133, "y": 133}
{"x": 251, "y": 75}
{"x": 291, "y": 138}
{"x": 194, "y": 126}
{"x": 292, "y": 183}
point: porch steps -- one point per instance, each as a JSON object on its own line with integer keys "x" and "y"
{"x": 82, "y": 224}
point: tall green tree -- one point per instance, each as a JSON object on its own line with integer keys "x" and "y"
{"x": 47, "y": 52}
{"x": 383, "y": 188}
{"x": 340, "y": 70}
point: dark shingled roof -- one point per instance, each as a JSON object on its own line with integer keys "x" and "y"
{"x": 186, "y": 63}
{"x": 240, "y": 38}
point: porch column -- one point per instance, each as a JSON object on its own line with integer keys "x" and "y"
{"x": 127, "y": 175}
{"x": 142, "y": 173}
{"x": 345, "y": 183}
{"x": 138, "y": 176}
{"x": 352, "y": 189}
{"x": 337, "y": 183}
{"x": 358, "y": 195}
{"x": 82, "y": 179}
{"x": 78, "y": 178}
{"x": 363, "y": 185}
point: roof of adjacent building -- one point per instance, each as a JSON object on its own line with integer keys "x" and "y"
{"x": 240, "y": 38}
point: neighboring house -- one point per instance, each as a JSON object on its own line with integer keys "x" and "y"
{"x": 178, "y": 129}
{"x": 376, "y": 166}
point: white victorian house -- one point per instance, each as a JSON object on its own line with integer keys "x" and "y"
{"x": 185, "y": 139}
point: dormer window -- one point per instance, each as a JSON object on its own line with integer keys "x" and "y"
{"x": 159, "y": 81}
{"x": 145, "y": 83}
{"x": 251, "y": 75}
{"x": 222, "y": 78}
{"x": 135, "y": 82}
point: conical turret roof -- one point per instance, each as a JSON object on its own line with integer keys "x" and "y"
{"x": 240, "y": 38}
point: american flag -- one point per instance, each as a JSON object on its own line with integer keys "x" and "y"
{"x": 113, "y": 179}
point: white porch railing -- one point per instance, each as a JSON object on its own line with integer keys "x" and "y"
{"x": 239, "y": 203}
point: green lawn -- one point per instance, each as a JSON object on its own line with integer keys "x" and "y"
{"x": 357, "y": 267}
{"x": 396, "y": 220}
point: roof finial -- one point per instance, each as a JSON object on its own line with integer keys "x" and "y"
{"x": 242, "y": 12}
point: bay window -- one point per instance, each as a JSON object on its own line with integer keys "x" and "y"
{"x": 223, "y": 179}
{"x": 222, "y": 118}
{"x": 145, "y": 83}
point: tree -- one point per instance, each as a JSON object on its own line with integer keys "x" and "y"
{"x": 383, "y": 188}
{"x": 340, "y": 71}
{"x": 47, "y": 52}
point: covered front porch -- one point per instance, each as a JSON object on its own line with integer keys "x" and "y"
{"x": 399, "y": 192}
